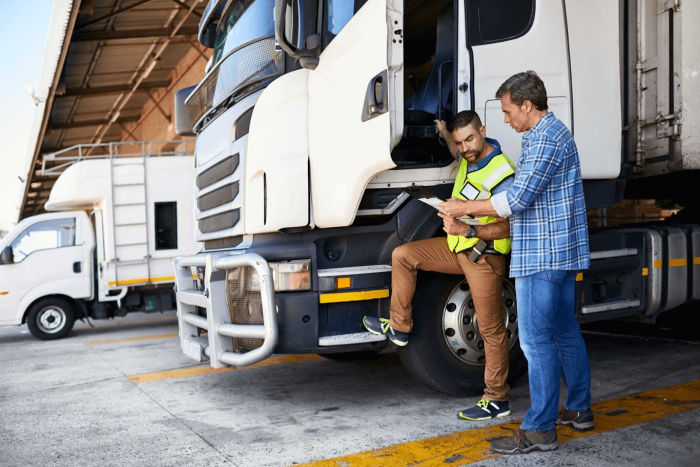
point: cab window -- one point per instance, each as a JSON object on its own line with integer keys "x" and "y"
{"x": 44, "y": 235}
{"x": 490, "y": 21}
{"x": 337, "y": 14}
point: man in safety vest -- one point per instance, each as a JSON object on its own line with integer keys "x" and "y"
{"x": 477, "y": 251}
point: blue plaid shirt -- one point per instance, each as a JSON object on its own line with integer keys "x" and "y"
{"x": 545, "y": 203}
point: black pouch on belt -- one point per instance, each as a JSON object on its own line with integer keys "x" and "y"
{"x": 478, "y": 250}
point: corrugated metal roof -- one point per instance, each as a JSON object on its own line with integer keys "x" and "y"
{"x": 118, "y": 52}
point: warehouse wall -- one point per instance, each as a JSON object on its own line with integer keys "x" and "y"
{"x": 156, "y": 122}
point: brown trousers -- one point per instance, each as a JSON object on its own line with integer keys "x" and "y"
{"x": 485, "y": 282}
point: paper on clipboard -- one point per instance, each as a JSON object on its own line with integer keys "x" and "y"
{"x": 433, "y": 201}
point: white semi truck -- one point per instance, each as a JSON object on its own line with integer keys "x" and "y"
{"x": 107, "y": 249}
{"x": 315, "y": 115}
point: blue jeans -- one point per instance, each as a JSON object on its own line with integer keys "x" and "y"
{"x": 551, "y": 341}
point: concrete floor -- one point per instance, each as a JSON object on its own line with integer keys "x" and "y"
{"x": 71, "y": 402}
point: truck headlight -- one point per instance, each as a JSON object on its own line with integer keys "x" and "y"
{"x": 287, "y": 276}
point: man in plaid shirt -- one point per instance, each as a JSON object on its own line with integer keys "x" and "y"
{"x": 549, "y": 244}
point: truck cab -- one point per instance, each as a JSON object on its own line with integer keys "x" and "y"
{"x": 46, "y": 261}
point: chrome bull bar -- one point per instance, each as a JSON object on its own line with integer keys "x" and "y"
{"x": 217, "y": 345}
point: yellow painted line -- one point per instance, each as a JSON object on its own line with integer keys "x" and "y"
{"x": 579, "y": 277}
{"x": 353, "y": 296}
{"x": 645, "y": 271}
{"x": 141, "y": 281}
{"x": 696, "y": 260}
{"x": 658, "y": 263}
{"x": 123, "y": 322}
{"x": 207, "y": 370}
{"x": 4, "y": 292}
{"x": 473, "y": 445}
{"x": 130, "y": 339}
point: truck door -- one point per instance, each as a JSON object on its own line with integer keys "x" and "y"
{"x": 499, "y": 38}
{"x": 48, "y": 257}
{"x": 355, "y": 109}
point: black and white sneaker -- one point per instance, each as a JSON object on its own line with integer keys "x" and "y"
{"x": 381, "y": 327}
{"x": 485, "y": 410}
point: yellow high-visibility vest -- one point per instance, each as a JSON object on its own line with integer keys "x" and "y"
{"x": 478, "y": 185}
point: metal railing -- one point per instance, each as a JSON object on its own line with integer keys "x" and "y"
{"x": 55, "y": 163}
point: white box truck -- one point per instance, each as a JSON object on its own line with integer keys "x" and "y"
{"x": 107, "y": 249}
{"x": 315, "y": 115}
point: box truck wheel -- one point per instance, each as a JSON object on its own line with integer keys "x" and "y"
{"x": 51, "y": 318}
{"x": 445, "y": 349}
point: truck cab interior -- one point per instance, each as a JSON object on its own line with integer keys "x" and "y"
{"x": 429, "y": 82}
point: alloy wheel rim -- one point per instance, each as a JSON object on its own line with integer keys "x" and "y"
{"x": 461, "y": 328}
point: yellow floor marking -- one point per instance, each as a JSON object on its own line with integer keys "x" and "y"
{"x": 131, "y": 339}
{"x": 473, "y": 445}
{"x": 122, "y": 322}
{"x": 207, "y": 370}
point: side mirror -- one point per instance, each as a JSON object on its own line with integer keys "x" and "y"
{"x": 208, "y": 36}
{"x": 7, "y": 257}
{"x": 181, "y": 120}
{"x": 290, "y": 35}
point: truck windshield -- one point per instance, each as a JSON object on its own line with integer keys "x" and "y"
{"x": 242, "y": 22}
{"x": 245, "y": 59}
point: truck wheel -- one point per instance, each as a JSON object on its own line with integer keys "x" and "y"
{"x": 51, "y": 318}
{"x": 445, "y": 348}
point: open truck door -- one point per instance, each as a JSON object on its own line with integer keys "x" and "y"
{"x": 355, "y": 96}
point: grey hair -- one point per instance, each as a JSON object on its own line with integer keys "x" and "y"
{"x": 525, "y": 86}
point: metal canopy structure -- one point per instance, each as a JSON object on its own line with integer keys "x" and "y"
{"x": 117, "y": 56}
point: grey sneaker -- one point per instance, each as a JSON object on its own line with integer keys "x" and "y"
{"x": 381, "y": 327}
{"x": 523, "y": 441}
{"x": 581, "y": 421}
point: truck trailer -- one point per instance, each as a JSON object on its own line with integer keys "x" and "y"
{"x": 106, "y": 250}
{"x": 315, "y": 116}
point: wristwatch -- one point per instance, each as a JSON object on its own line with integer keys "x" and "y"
{"x": 471, "y": 233}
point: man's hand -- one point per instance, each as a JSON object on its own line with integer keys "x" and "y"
{"x": 455, "y": 207}
{"x": 452, "y": 226}
{"x": 441, "y": 129}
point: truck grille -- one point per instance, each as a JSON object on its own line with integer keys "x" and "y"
{"x": 242, "y": 68}
{"x": 219, "y": 207}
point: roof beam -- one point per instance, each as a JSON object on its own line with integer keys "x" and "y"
{"x": 87, "y": 123}
{"x": 108, "y": 90}
{"x": 112, "y": 14}
{"x": 82, "y": 36}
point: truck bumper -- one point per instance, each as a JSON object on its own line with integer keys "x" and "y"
{"x": 194, "y": 301}
{"x": 292, "y": 322}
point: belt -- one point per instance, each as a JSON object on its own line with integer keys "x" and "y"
{"x": 478, "y": 250}
{"x": 481, "y": 248}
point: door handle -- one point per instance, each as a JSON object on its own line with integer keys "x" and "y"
{"x": 376, "y": 97}
{"x": 77, "y": 267}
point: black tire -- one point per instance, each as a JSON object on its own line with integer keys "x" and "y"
{"x": 51, "y": 318}
{"x": 429, "y": 357}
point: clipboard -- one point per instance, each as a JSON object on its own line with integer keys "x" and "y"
{"x": 425, "y": 196}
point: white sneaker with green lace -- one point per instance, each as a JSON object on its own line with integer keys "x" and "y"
{"x": 485, "y": 410}
{"x": 381, "y": 327}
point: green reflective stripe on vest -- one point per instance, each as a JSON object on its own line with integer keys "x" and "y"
{"x": 478, "y": 185}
